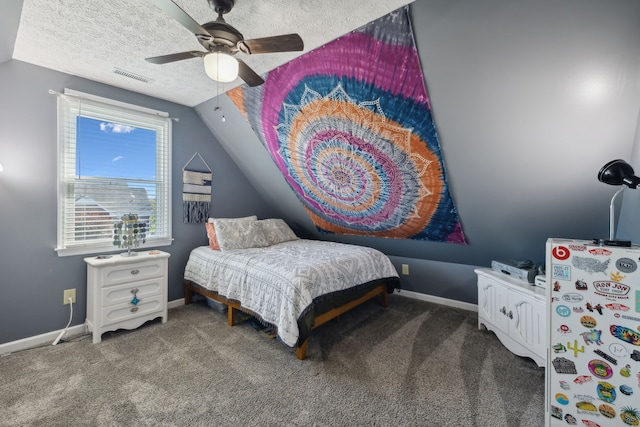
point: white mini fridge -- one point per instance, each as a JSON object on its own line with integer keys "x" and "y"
{"x": 593, "y": 344}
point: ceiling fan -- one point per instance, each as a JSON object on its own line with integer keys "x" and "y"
{"x": 222, "y": 41}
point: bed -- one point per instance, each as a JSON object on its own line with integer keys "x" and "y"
{"x": 263, "y": 268}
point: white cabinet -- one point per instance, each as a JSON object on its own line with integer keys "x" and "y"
{"x": 515, "y": 311}
{"x": 125, "y": 292}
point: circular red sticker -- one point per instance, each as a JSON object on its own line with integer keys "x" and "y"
{"x": 560, "y": 252}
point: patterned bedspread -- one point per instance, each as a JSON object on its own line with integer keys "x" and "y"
{"x": 281, "y": 281}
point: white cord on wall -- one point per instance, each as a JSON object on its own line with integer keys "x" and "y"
{"x": 64, "y": 331}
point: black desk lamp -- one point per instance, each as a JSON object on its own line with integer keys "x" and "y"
{"x": 617, "y": 172}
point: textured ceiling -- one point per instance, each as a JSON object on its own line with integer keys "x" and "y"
{"x": 92, "y": 38}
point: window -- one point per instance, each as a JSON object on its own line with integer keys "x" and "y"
{"x": 113, "y": 159}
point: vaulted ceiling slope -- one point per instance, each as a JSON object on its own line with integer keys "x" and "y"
{"x": 9, "y": 20}
{"x": 108, "y": 41}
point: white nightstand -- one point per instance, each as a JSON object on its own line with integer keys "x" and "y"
{"x": 124, "y": 292}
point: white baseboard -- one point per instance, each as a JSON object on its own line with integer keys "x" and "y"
{"x": 49, "y": 337}
{"x": 175, "y": 303}
{"x": 41, "y": 339}
{"x": 437, "y": 300}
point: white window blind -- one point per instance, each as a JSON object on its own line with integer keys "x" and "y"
{"x": 113, "y": 159}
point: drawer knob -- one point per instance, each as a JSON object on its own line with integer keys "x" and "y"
{"x": 135, "y": 300}
{"x": 134, "y": 309}
{"x": 135, "y": 271}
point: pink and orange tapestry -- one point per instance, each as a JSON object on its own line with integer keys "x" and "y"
{"x": 349, "y": 125}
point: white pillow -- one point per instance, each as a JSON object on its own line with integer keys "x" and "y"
{"x": 277, "y": 231}
{"x": 239, "y": 234}
{"x": 211, "y": 230}
{"x": 244, "y": 218}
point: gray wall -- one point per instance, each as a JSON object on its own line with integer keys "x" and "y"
{"x": 530, "y": 99}
{"x": 628, "y": 203}
{"x": 32, "y": 276}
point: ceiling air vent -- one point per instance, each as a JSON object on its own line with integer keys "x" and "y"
{"x": 131, "y": 75}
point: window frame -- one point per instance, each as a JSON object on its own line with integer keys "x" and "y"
{"x": 70, "y": 106}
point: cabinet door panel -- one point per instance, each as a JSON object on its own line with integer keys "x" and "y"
{"x": 529, "y": 321}
{"x": 492, "y": 301}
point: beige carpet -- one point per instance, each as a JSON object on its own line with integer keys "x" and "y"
{"x": 412, "y": 364}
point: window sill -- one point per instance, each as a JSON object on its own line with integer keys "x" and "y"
{"x": 99, "y": 249}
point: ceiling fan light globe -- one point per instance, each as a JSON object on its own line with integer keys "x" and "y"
{"x": 221, "y": 67}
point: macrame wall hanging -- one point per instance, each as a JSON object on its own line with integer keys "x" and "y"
{"x": 196, "y": 192}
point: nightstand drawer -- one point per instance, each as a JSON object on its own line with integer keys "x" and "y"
{"x": 133, "y": 271}
{"x": 125, "y": 293}
{"x": 122, "y": 312}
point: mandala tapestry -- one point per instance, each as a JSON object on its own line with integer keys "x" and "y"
{"x": 349, "y": 126}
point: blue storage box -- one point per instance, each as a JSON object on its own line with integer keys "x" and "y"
{"x": 217, "y": 306}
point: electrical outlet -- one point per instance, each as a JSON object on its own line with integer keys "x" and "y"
{"x": 405, "y": 269}
{"x": 69, "y": 293}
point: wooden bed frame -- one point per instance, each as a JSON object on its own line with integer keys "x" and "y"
{"x": 301, "y": 351}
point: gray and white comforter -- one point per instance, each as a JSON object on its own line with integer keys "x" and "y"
{"x": 279, "y": 282}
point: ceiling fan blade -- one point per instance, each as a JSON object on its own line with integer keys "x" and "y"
{"x": 283, "y": 43}
{"x": 163, "y": 59}
{"x": 176, "y": 12}
{"x": 249, "y": 76}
